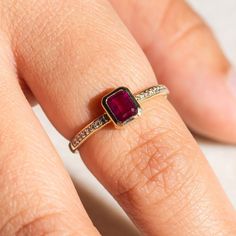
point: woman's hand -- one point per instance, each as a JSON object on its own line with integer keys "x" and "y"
{"x": 65, "y": 54}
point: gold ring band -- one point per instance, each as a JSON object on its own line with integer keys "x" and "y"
{"x": 120, "y": 106}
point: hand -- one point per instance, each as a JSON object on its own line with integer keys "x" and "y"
{"x": 64, "y": 55}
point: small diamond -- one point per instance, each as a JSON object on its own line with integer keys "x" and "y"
{"x": 103, "y": 119}
{"x": 96, "y": 124}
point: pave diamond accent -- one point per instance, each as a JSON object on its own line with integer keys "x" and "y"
{"x": 150, "y": 92}
{"x": 84, "y": 133}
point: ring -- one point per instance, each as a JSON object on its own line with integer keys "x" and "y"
{"x": 121, "y": 107}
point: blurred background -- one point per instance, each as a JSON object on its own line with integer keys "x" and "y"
{"x": 103, "y": 210}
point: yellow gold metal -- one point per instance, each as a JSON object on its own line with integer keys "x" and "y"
{"x": 104, "y": 119}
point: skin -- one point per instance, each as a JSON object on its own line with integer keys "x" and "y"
{"x": 65, "y": 55}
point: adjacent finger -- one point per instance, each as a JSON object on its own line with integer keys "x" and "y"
{"x": 187, "y": 58}
{"x": 153, "y": 167}
{"x": 37, "y": 196}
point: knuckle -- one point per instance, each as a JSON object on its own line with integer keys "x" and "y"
{"x": 179, "y": 22}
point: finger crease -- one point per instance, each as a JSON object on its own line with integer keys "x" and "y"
{"x": 34, "y": 221}
{"x": 186, "y": 32}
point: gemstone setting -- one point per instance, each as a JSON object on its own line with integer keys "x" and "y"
{"x": 121, "y": 106}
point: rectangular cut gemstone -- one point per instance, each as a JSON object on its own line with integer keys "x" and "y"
{"x": 121, "y": 105}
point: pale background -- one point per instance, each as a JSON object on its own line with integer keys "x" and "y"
{"x": 104, "y": 211}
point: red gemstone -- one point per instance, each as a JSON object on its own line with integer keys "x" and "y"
{"x": 122, "y": 105}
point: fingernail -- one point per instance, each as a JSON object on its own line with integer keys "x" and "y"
{"x": 232, "y": 80}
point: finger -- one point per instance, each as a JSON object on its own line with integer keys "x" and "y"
{"x": 36, "y": 194}
{"x": 187, "y": 58}
{"x": 153, "y": 167}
